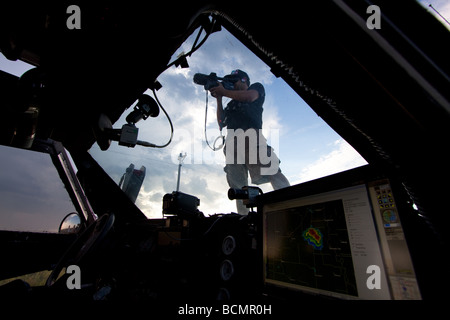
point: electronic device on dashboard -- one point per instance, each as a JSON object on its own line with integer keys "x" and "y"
{"x": 339, "y": 236}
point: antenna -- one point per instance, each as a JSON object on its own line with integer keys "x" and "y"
{"x": 440, "y": 15}
{"x": 180, "y": 159}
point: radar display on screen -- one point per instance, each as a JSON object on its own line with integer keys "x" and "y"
{"x": 309, "y": 246}
{"x": 324, "y": 244}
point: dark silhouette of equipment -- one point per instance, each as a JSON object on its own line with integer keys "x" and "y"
{"x": 212, "y": 80}
{"x": 131, "y": 181}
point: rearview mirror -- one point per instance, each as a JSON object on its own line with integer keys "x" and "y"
{"x": 71, "y": 224}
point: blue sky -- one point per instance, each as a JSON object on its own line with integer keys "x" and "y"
{"x": 307, "y": 147}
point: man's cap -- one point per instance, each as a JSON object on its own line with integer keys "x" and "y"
{"x": 242, "y": 75}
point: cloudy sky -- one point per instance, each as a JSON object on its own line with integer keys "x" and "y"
{"x": 32, "y": 196}
{"x": 307, "y": 147}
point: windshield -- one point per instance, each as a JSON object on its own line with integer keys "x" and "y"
{"x": 32, "y": 194}
{"x": 306, "y": 146}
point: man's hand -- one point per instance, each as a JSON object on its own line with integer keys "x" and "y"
{"x": 239, "y": 95}
{"x": 218, "y": 92}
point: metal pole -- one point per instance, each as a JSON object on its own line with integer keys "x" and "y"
{"x": 178, "y": 181}
{"x": 180, "y": 158}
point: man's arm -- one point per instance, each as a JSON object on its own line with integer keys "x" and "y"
{"x": 239, "y": 95}
{"x": 242, "y": 95}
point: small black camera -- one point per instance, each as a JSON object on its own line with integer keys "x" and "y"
{"x": 248, "y": 194}
{"x": 146, "y": 107}
{"x": 212, "y": 80}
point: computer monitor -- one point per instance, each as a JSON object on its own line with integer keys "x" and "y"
{"x": 345, "y": 243}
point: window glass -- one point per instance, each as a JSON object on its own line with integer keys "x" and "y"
{"x": 306, "y": 146}
{"x": 32, "y": 195}
{"x": 16, "y": 68}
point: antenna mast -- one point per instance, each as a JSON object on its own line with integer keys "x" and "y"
{"x": 180, "y": 159}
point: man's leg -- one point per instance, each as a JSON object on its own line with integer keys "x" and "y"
{"x": 275, "y": 177}
{"x": 279, "y": 181}
{"x": 237, "y": 178}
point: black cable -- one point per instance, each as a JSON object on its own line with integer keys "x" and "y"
{"x": 151, "y": 145}
{"x": 213, "y": 148}
{"x": 168, "y": 118}
{"x": 193, "y": 49}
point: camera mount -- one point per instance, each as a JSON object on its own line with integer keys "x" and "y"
{"x": 128, "y": 134}
{"x": 146, "y": 107}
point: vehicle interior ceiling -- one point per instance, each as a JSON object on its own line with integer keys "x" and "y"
{"x": 386, "y": 94}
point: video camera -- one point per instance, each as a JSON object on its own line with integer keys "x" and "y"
{"x": 212, "y": 80}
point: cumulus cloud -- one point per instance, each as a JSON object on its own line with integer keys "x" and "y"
{"x": 342, "y": 157}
